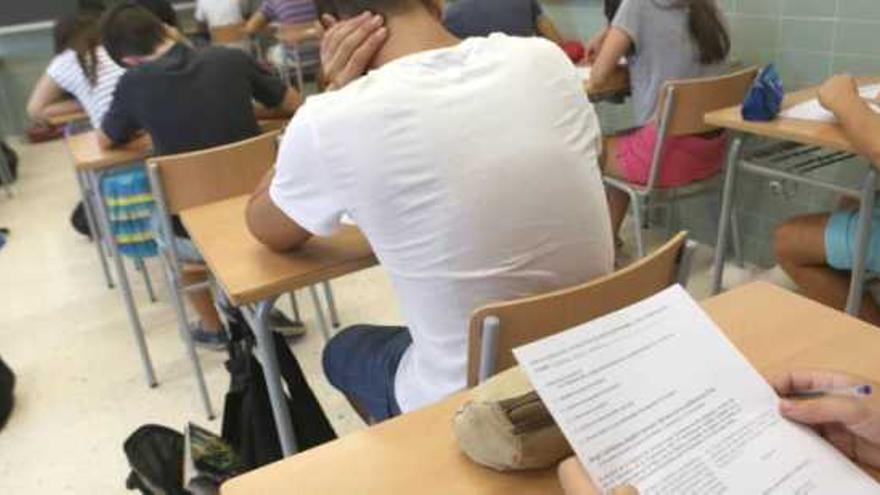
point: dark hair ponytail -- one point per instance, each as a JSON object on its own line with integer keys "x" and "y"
{"x": 80, "y": 34}
{"x": 708, "y": 30}
{"x": 611, "y": 7}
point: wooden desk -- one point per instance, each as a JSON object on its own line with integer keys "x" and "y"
{"x": 417, "y": 452}
{"x": 249, "y": 272}
{"x": 67, "y": 118}
{"x": 87, "y": 155}
{"x": 252, "y": 276}
{"x": 822, "y": 134}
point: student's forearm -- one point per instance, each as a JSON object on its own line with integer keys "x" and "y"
{"x": 615, "y": 45}
{"x": 286, "y": 108}
{"x": 862, "y": 126}
{"x": 268, "y": 224}
{"x": 63, "y": 107}
{"x": 104, "y": 141}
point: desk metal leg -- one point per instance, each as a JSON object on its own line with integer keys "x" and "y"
{"x": 331, "y": 304}
{"x": 6, "y": 176}
{"x": 258, "y": 317}
{"x": 294, "y": 306}
{"x": 863, "y": 237}
{"x": 104, "y": 219}
{"x": 88, "y": 199}
{"x": 319, "y": 312}
{"x": 733, "y": 152}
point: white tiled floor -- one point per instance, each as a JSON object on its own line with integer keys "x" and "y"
{"x": 80, "y": 387}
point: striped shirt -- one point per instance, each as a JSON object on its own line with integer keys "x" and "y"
{"x": 67, "y": 74}
{"x": 295, "y": 12}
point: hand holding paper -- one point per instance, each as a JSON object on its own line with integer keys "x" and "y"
{"x": 657, "y": 397}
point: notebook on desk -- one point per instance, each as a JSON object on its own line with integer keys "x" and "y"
{"x": 812, "y": 110}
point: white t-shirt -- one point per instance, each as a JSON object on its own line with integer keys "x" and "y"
{"x": 219, "y": 12}
{"x": 67, "y": 74}
{"x": 473, "y": 173}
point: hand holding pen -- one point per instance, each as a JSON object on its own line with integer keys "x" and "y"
{"x": 839, "y": 407}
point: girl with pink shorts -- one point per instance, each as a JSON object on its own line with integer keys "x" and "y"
{"x": 662, "y": 40}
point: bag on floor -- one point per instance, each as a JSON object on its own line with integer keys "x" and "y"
{"x": 79, "y": 222}
{"x": 155, "y": 454}
{"x": 7, "y": 384}
{"x": 11, "y": 159}
{"x": 248, "y": 423}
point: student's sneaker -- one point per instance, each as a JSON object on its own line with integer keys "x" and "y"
{"x": 280, "y": 323}
{"x": 215, "y": 341}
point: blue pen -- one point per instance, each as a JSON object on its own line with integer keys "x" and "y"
{"x": 853, "y": 391}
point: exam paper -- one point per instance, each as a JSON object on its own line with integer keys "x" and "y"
{"x": 657, "y": 397}
{"x": 813, "y": 110}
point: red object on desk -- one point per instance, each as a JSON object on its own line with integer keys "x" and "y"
{"x": 574, "y": 50}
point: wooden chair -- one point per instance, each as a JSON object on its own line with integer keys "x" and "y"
{"x": 193, "y": 179}
{"x": 496, "y": 329}
{"x": 681, "y": 110}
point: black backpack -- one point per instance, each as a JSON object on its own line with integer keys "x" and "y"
{"x": 7, "y": 384}
{"x": 11, "y": 159}
{"x": 248, "y": 423}
{"x": 78, "y": 220}
{"x": 155, "y": 454}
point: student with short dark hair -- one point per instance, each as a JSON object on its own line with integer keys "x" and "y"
{"x": 470, "y": 166}
{"x": 186, "y": 100}
{"x": 161, "y": 9}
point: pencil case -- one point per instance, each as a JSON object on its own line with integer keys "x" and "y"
{"x": 509, "y": 430}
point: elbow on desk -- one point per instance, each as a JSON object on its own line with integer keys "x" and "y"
{"x": 266, "y": 233}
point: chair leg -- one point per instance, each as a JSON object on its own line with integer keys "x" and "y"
{"x": 736, "y": 237}
{"x": 331, "y": 304}
{"x": 294, "y": 306}
{"x": 142, "y": 267}
{"x": 636, "y": 205}
{"x": 186, "y": 336}
{"x": 319, "y": 312}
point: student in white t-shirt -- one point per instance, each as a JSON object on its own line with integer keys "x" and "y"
{"x": 80, "y": 68}
{"x": 471, "y": 167}
{"x": 216, "y": 13}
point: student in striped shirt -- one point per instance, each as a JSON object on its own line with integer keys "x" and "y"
{"x": 289, "y": 12}
{"x": 80, "y": 68}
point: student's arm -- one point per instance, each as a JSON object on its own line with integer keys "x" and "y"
{"x": 617, "y": 44}
{"x": 119, "y": 126}
{"x": 104, "y": 141}
{"x": 269, "y": 224}
{"x": 544, "y": 25}
{"x": 594, "y": 45}
{"x": 348, "y": 47}
{"x": 840, "y": 95}
{"x": 299, "y": 199}
{"x": 292, "y": 100}
{"x": 257, "y": 23}
{"x": 48, "y": 99}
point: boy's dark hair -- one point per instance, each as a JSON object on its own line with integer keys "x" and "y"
{"x": 161, "y": 9}
{"x": 128, "y": 29}
{"x": 344, "y": 9}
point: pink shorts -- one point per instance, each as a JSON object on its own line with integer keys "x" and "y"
{"x": 685, "y": 159}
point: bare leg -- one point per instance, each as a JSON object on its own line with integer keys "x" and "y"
{"x": 800, "y": 250}
{"x": 202, "y": 301}
{"x": 618, "y": 201}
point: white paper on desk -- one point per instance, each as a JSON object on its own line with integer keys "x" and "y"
{"x": 656, "y": 396}
{"x": 813, "y": 110}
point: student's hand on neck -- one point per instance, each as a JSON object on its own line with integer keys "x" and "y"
{"x": 416, "y": 31}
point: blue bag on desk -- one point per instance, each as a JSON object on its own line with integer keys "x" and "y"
{"x": 764, "y": 99}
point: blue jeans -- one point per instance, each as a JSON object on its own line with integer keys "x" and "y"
{"x": 361, "y": 362}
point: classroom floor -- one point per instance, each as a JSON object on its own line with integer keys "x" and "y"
{"x": 80, "y": 388}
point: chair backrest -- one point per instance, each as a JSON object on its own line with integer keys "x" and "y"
{"x": 231, "y": 33}
{"x": 692, "y": 99}
{"x": 200, "y": 177}
{"x": 527, "y": 320}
